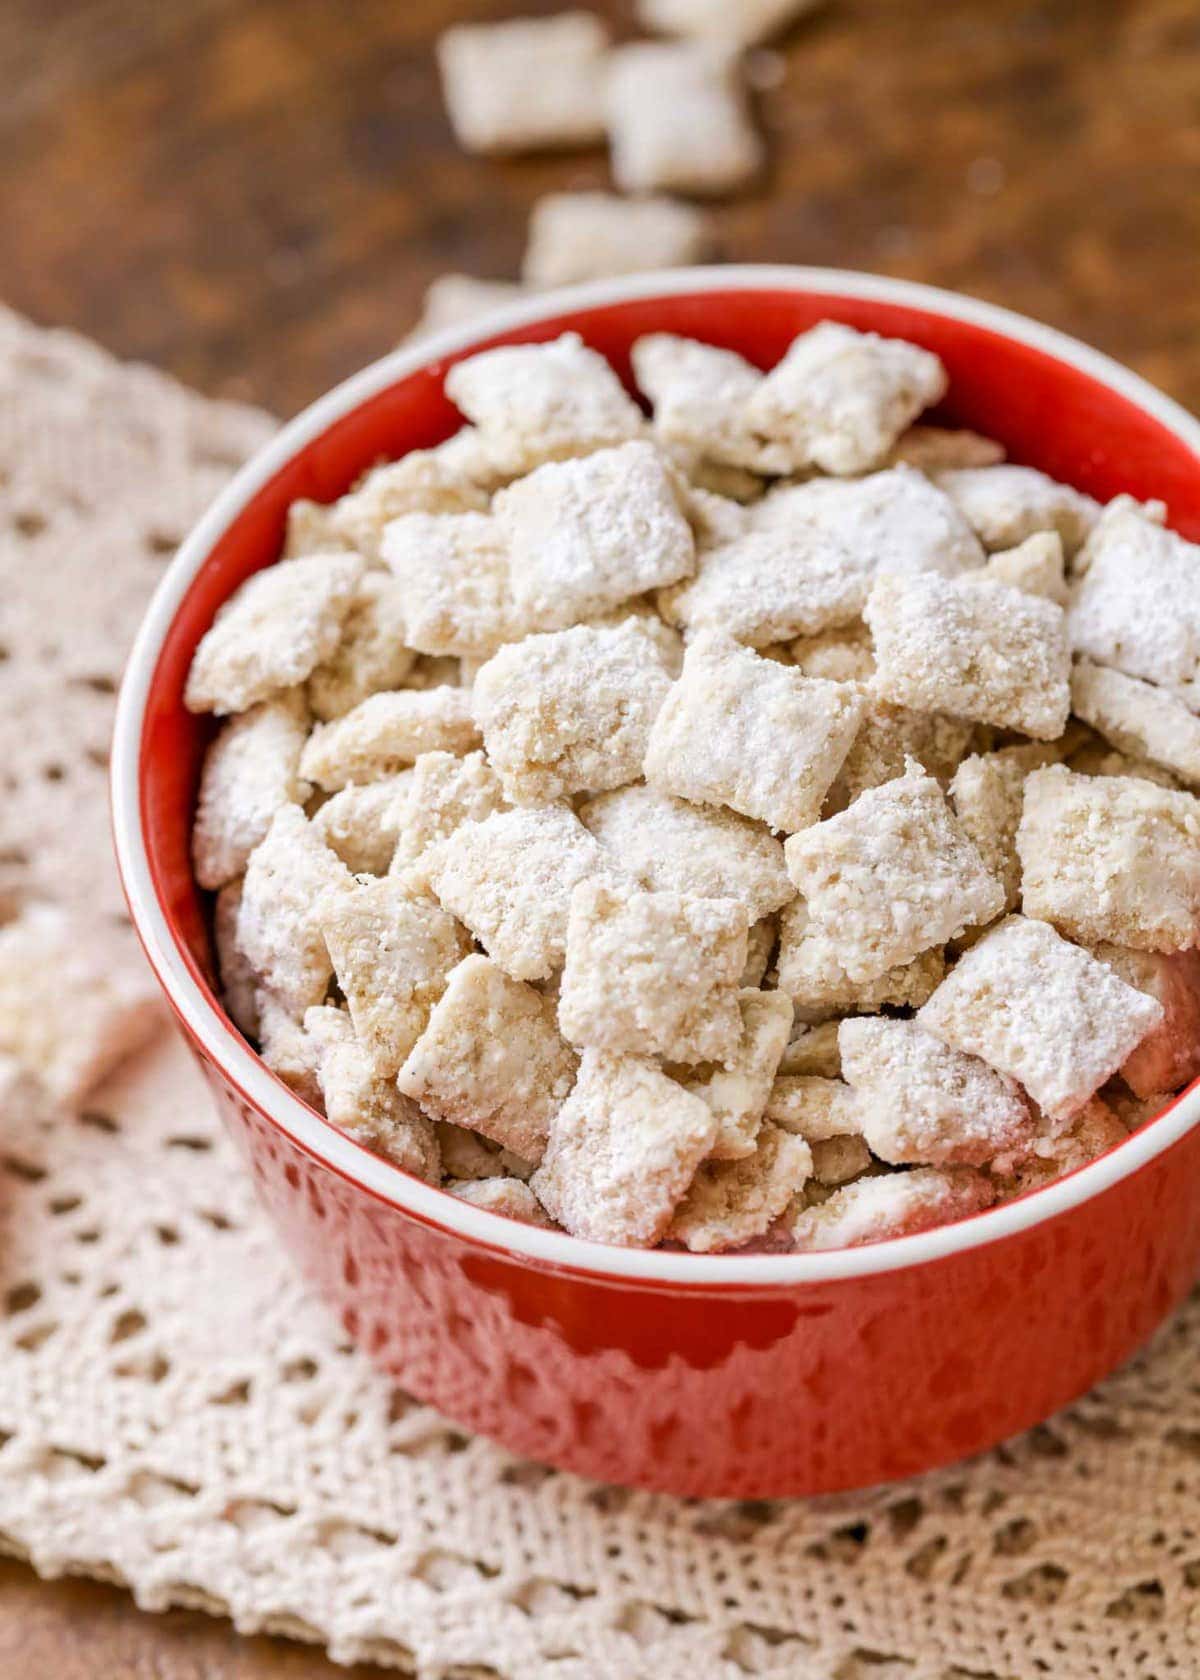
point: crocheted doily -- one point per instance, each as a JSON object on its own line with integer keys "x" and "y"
{"x": 177, "y": 1415}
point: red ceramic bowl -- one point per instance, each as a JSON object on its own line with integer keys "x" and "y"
{"x": 726, "y": 1375}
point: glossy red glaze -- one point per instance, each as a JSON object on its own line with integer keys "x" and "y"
{"x": 693, "y": 1382}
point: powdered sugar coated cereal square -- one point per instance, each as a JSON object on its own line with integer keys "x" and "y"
{"x": 814, "y": 1108}
{"x": 1036, "y": 565}
{"x": 1041, "y": 1010}
{"x": 250, "y": 770}
{"x": 840, "y": 399}
{"x": 371, "y": 655}
{"x": 587, "y": 534}
{"x": 623, "y": 1150}
{"x": 653, "y": 973}
{"x": 888, "y": 738}
{"x": 509, "y": 1196}
{"x": 452, "y": 572}
{"x": 492, "y": 1058}
{"x": 988, "y": 791}
{"x": 678, "y": 120}
{"x": 892, "y": 1205}
{"x": 527, "y": 84}
{"x": 575, "y": 236}
{"x": 386, "y": 733}
{"x": 1138, "y": 718}
{"x": 442, "y": 481}
{"x": 365, "y": 1106}
{"x": 737, "y": 1089}
{"x": 1169, "y": 1056}
{"x": 543, "y": 402}
{"x": 288, "y": 878}
{"x": 769, "y": 586}
{"x": 700, "y": 395}
{"x": 446, "y": 792}
{"x": 273, "y": 632}
{"x": 810, "y": 971}
{"x": 362, "y": 823}
{"x": 1005, "y": 504}
{"x": 746, "y": 732}
{"x": 976, "y": 649}
{"x": 728, "y": 1203}
{"x": 837, "y": 1160}
{"x": 239, "y": 983}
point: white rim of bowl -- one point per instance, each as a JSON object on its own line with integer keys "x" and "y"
{"x": 234, "y": 1056}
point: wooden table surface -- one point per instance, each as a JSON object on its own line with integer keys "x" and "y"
{"x": 253, "y": 194}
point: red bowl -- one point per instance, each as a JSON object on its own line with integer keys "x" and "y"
{"x": 747, "y": 1375}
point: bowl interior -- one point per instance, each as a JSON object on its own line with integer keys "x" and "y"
{"x": 1048, "y": 413}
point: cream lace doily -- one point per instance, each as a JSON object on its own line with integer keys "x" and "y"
{"x": 176, "y": 1415}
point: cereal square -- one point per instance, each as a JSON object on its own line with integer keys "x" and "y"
{"x": 468, "y": 1157}
{"x": 842, "y": 655}
{"x": 446, "y": 792}
{"x": 700, "y": 394}
{"x": 509, "y": 878}
{"x": 737, "y": 1090}
{"x": 365, "y": 1106}
{"x": 587, "y": 534}
{"x": 310, "y": 530}
{"x": 290, "y": 1052}
{"x": 363, "y": 824}
{"x": 576, "y": 236}
{"x": 1169, "y": 1056}
{"x": 653, "y": 974}
{"x": 1139, "y": 719}
{"x": 888, "y": 737}
{"x": 371, "y": 655}
{"x": 988, "y": 791}
{"x": 840, "y": 399}
{"x": 543, "y": 402}
{"x": 288, "y": 879}
{"x": 837, "y": 1160}
{"x": 892, "y": 1205}
{"x": 250, "y": 770}
{"x": 731, "y": 1202}
{"x": 976, "y": 649}
{"x": 570, "y": 710}
{"x": 1006, "y": 504}
{"x": 386, "y": 733}
{"x": 941, "y": 448}
{"x": 392, "y": 952}
{"x": 770, "y": 586}
{"x": 746, "y": 732}
{"x": 813, "y": 1050}
{"x": 815, "y": 1108}
{"x": 678, "y": 120}
{"x": 430, "y": 481}
{"x": 623, "y": 1150}
{"x": 1037, "y": 566}
{"x": 528, "y": 84}
{"x": 239, "y": 983}
{"x": 923, "y": 1103}
{"x": 1111, "y": 858}
{"x": 492, "y": 1058}
{"x": 273, "y": 632}
{"x": 891, "y": 876}
{"x": 669, "y": 845}
{"x": 742, "y": 24}
{"x": 452, "y": 571}
{"x": 1055, "y": 1150}
{"x": 1137, "y": 605}
{"x": 1043, "y": 1011}
{"x": 509, "y": 1196}
{"x": 811, "y": 973}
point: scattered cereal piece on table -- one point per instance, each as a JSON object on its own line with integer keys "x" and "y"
{"x": 730, "y": 1202}
{"x": 386, "y": 733}
{"x": 1138, "y": 718}
{"x": 740, "y": 23}
{"x": 1006, "y": 504}
{"x": 529, "y": 84}
{"x": 892, "y": 1205}
{"x": 452, "y": 573}
{"x": 362, "y": 823}
{"x": 737, "y": 1089}
{"x": 678, "y": 120}
{"x": 576, "y": 236}
{"x": 1169, "y": 1056}
{"x": 250, "y": 770}
{"x": 364, "y": 1104}
{"x": 509, "y": 1196}
{"x": 288, "y": 878}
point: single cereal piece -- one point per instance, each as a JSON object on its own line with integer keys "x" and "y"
{"x": 923, "y": 1103}
{"x": 392, "y": 952}
{"x": 452, "y": 300}
{"x": 893, "y": 521}
{"x": 815, "y": 1108}
{"x": 508, "y": 1196}
{"x": 746, "y": 23}
{"x": 761, "y": 941}
{"x": 840, "y": 399}
{"x": 525, "y": 85}
{"x": 653, "y": 974}
{"x": 430, "y": 481}
{"x": 445, "y": 793}
{"x": 543, "y": 402}
{"x": 310, "y": 530}
{"x": 975, "y": 649}
{"x": 812, "y": 975}
{"x": 509, "y": 878}
{"x": 469, "y": 1158}
{"x": 1169, "y": 1056}
{"x": 1111, "y": 858}
{"x": 1138, "y": 718}
{"x": 1006, "y": 504}
{"x": 575, "y": 236}
{"x": 941, "y": 448}
{"x": 239, "y": 983}
{"x": 1043, "y": 1011}
{"x": 888, "y": 738}
{"x": 842, "y": 655}
{"x": 623, "y": 1149}
{"x": 250, "y": 770}
{"x": 813, "y": 1050}
{"x": 289, "y": 878}
{"x": 988, "y": 791}
{"x": 729, "y": 1202}
{"x": 386, "y": 733}
{"x": 678, "y": 120}
{"x": 363, "y": 824}
{"x": 491, "y": 1058}
{"x": 452, "y": 571}
{"x": 892, "y": 1205}
{"x": 670, "y": 845}
{"x": 1037, "y": 566}
{"x": 290, "y": 1052}
{"x": 570, "y": 710}
{"x": 365, "y": 1106}
{"x": 838, "y": 1160}
{"x": 273, "y": 632}
{"x": 74, "y": 1001}
{"x": 737, "y": 1090}
{"x": 1056, "y": 1150}
{"x": 891, "y": 876}
{"x": 372, "y": 654}
{"x": 770, "y": 586}
{"x": 585, "y": 535}
{"x": 699, "y": 394}
{"x": 1137, "y": 605}
{"x": 746, "y": 732}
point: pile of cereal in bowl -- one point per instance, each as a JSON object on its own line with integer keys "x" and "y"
{"x": 767, "y": 825}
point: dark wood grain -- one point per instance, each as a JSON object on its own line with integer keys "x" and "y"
{"x": 255, "y": 193}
